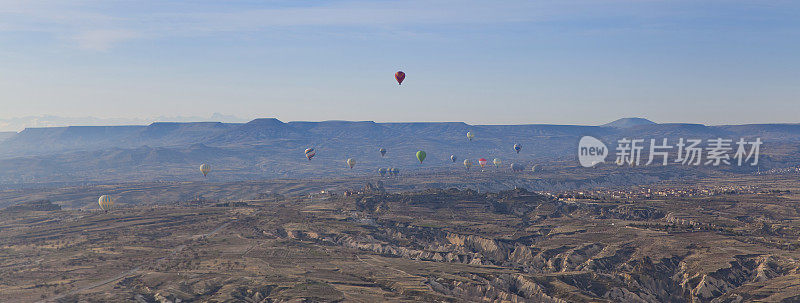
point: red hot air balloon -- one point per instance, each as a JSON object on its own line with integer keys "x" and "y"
{"x": 399, "y": 76}
{"x": 482, "y": 162}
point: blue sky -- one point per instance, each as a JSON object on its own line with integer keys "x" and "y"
{"x": 489, "y": 62}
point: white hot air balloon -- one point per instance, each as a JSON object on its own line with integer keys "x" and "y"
{"x": 106, "y": 202}
{"x": 205, "y": 169}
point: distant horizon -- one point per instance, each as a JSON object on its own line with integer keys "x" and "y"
{"x": 6, "y": 126}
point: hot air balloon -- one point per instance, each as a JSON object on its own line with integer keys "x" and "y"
{"x": 470, "y": 135}
{"x": 453, "y": 158}
{"x": 205, "y": 169}
{"x": 482, "y": 162}
{"x": 467, "y": 164}
{"x": 517, "y": 167}
{"x": 351, "y": 162}
{"x": 395, "y": 171}
{"x": 533, "y": 168}
{"x": 382, "y": 171}
{"x": 517, "y": 147}
{"x": 310, "y": 153}
{"x": 399, "y": 76}
{"x": 106, "y": 203}
{"x": 383, "y": 151}
{"x": 421, "y": 156}
{"x": 496, "y": 162}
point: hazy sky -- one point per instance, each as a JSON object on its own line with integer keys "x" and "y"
{"x": 492, "y": 62}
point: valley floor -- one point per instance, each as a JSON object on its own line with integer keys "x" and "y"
{"x": 432, "y": 245}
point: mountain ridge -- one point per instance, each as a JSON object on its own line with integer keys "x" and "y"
{"x": 270, "y": 148}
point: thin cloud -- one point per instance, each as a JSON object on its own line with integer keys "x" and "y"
{"x": 101, "y": 25}
{"x": 87, "y": 22}
{"x": 102, "y": 40}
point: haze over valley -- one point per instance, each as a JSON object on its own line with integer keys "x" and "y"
{"x": 269, "y": 148}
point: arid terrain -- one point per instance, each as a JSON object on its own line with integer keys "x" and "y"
{"x": 399, "y": 151}
{"x": 720, "y": 239}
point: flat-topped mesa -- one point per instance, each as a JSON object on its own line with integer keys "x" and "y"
{"x": 628, "y": 122}
{"x": 261, "y": 129}
{"x": 265, "y": 122}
